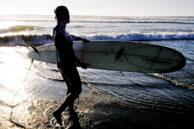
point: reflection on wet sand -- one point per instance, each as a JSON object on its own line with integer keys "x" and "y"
{"x": 12, "y": 75}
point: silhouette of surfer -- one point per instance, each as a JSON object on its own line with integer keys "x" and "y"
{"x": 67, "y": 62}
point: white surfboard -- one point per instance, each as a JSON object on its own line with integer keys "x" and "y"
{"x": 119, "y": 55}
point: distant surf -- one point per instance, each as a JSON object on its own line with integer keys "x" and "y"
{"x": 17, "y": 28}
{"x": 135, "y": 21}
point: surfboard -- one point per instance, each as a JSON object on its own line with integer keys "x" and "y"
{"x": 119, "y": 55}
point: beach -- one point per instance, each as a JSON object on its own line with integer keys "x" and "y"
{"x": 129, "y": 100}
{"x": 30, "y": 91}
{"x": 94, "y": 113}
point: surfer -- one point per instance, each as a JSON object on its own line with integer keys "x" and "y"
{"x": 67, "y": 62}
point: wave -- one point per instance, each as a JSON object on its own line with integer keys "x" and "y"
{"x": 20, "y": 39}
{"x": 144, "y": 37}
{"x": 17, "y": 28}
{"x": 46, "y": 38}
{"x": 135, "y": 21}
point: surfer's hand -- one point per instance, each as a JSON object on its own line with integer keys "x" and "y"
{"x": 85, "y": 40}
{"x": 83, "y": 65}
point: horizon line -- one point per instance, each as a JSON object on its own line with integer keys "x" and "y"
{"x": 100, "y": 15}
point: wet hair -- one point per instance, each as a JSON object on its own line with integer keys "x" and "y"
{"x": 62, "y": 13}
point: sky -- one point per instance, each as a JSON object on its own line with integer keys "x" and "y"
{"x": 101, "y": 7}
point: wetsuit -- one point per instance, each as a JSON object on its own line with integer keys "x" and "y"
{"x": 66, "y": 63}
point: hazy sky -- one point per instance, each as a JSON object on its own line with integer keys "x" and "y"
{"x": 101, "y": 7}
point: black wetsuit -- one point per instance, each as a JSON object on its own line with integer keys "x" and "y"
{"x": 66, "y": 63}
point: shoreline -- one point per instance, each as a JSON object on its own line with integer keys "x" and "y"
{"x": 94, "y": 112}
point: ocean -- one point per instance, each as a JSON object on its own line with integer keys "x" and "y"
{"x": 24, "y": 83}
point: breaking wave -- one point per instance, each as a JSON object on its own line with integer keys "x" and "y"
{"x": 20, "y": 39}
{"x": 144, "y": 37}
{"x": 46, "y": 38}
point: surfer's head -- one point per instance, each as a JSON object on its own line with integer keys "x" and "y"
{"x": 62, "y": 14}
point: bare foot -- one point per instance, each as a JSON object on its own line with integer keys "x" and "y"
{"x": 58, "y": 117}
{"x": 73, "y": 116}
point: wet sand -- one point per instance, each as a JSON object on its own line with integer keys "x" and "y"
{"x": 94, "y": 112}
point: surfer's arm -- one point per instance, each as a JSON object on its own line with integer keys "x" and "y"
{"x": 75, "y": 38}
{"x": 80, "y": 63}
{"x": 74, "y": 57}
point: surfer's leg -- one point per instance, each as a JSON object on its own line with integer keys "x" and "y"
{"x": 66, "y": 79}
{"x": 57, "y": 113}
{"x": 74, "y": 89}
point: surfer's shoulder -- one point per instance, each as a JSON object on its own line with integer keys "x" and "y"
{"x": 58, "y": 30}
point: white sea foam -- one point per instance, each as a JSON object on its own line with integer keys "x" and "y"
{"x": 145, "y": 37}
{"x": 44, "y": 39}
